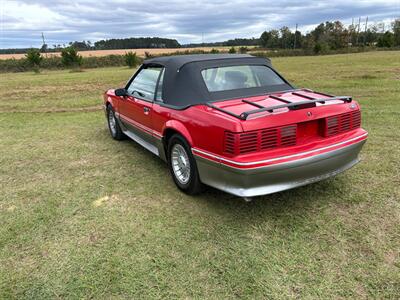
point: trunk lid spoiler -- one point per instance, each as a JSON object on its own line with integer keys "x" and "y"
{"x": 291, "y": 100}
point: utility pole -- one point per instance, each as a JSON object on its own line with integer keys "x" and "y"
{"x": 358, "y": 29}
{"x": 295, "y": 37}
{"x": 365, "y": 29}
{"x": 44, "y": 43}
{"x": 350, "y": 37}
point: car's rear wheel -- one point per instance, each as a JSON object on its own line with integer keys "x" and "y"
{"x": 183, "y": 166}
{"x": 113, "y": 126}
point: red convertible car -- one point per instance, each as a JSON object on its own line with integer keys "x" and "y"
{"x": 232, "y": 122}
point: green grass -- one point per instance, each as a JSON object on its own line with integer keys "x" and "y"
{"x": 84, "y": 216}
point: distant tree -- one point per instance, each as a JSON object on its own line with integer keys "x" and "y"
{"x": 270, "y": 39}
{"x": 319, "y": 32}
{"x": 241, "y": 42}
{"x": 264, "y": 38}
{"x": 396, "y": 32}
{"x": 299, "y": 40}
{"x": 136, "y": 43}
{"x": 131, "y": 59}
{"x": 337, "y": 35}
{"x": 80, "y": 46}
{"x": 371, "y": 35}
{"x": 34, "y": 58}
{"x": 308, "y": 42}
{"x": 386, "y": 40}
{"x": 232, "y": 50}
{"x": 70, "y": 58}
{"x": 330, "y": 35}
{"x": 287, "y": 37}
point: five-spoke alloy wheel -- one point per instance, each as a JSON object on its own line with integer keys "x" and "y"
{"x": 183, "y": 166}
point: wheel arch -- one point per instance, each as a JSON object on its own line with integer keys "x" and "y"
{"x": 108, "y": 104}
{"x": 109, "y": 99}
{"x": 175, "y": 127}
{"x": 172, "y": 127}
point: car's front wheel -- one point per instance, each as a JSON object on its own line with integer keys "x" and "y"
{"x": 183, "y": 166}
{"x": 113, "y": 126}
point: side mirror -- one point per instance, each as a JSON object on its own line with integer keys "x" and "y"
{"x": 120, "y": 92}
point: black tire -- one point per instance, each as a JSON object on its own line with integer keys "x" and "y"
{"x": 193, "y": 185}
{"x": 115, "y": 129}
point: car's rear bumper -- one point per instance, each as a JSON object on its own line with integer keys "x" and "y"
{"x": 255, "y": 181}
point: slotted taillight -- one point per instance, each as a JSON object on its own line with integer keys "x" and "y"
{"x": 342, "y": 123}
{"x": 248, "y": 142}
{"x": 288, "y": 136}
{"x": 230, "y": 141}
{"x": 259, "y": 140}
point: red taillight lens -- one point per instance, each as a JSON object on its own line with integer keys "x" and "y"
{"x": 230, "y": 142}
{"x": 258, "y": 140}
{"x": 342, "y": 123}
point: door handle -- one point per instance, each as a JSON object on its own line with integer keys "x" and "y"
{"x": 146, "y": 110}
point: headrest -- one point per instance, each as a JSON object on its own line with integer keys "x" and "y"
{"x": 236, "y": 78}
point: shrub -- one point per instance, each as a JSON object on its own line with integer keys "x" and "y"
{"x": 320, "y": 48}
{"x": 34, "y": 59}
{"x": 232, "y": 50}
{"x": 53, "y": 62}
{"x": 386, "y": 40}
{"x": 243, "y": 49}
{"x": 104, "y": 61}
{"x": 214, "y": 51}
{"x": 131, "y": 59}
{"x": 70, "y": 58}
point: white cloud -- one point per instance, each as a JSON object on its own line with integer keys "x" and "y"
{"x": 22, "y": 21}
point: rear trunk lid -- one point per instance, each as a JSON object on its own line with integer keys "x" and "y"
{"x": 307, "y": 122}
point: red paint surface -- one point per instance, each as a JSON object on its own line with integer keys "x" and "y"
{"x": 206, "y": 128}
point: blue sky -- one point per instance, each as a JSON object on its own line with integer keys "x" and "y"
{"x": 22, "y": 21}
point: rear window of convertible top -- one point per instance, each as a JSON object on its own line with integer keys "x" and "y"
{"x": 239, "y": 77}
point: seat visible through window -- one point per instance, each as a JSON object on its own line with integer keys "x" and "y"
{"x": 235, "y": 80}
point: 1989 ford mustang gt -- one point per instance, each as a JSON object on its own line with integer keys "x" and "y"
{"x": 232, "y": 122}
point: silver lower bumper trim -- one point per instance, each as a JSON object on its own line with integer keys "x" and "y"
{"x": 279, "y": 177}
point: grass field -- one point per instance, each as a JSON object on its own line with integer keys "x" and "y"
{"x": 84, "y": 216}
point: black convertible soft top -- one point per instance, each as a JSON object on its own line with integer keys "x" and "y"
{"x": 183, "y": 85}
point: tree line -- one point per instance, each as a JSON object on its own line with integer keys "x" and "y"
{"x": 326, "y": 36}
{"x": 332, "y": 36}
{"x": 111, "y": 44}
